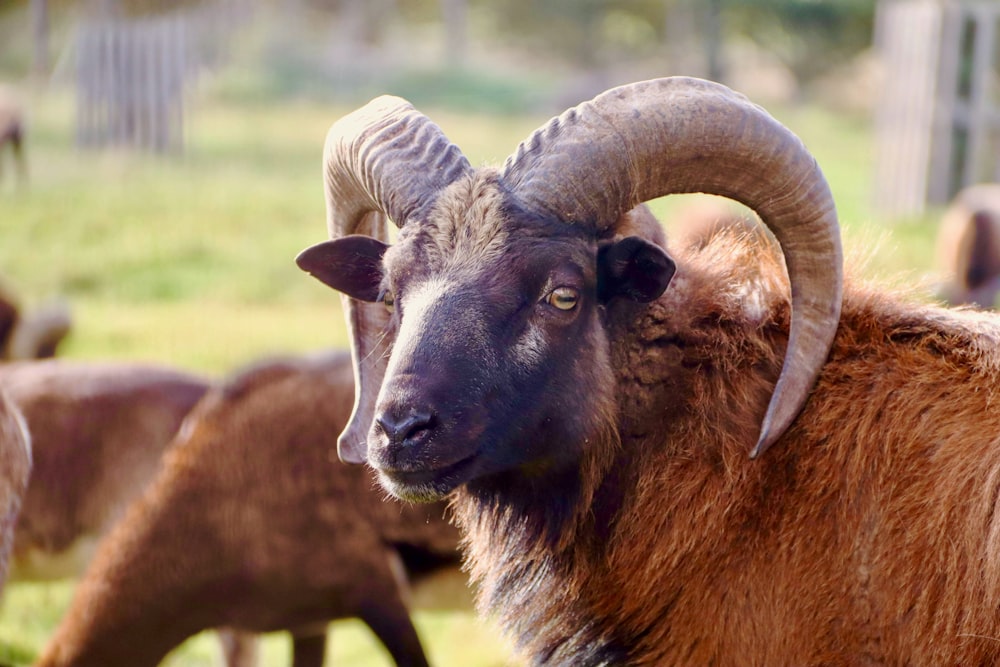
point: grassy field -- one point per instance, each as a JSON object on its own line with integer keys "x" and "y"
{"x": 188, "y": 261}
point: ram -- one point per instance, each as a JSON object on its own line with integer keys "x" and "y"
{"x": 15, "y": 467}
{"x": 254, "y": 524}
{"x": 968, "y": 247}
{"x": 665, "y": 458}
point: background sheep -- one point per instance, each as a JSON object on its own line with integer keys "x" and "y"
{"x": 254, "y": 524}
{"x": 15, "y": 466}
{"x": 36, "y": 335}
{"x": 968, "y": 247}
{"x": 99, "y": 431}
{"x": 12, "y": 133}
{"x": 596, "y": 423}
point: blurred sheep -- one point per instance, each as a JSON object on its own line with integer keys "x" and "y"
{"x": 254, "y": 524}
{"x": 99, "y": 431}
{"x": 968, "y": 247}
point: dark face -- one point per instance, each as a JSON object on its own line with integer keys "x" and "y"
{"x": 500, "y": 358}
{"x": 496, "y": 359}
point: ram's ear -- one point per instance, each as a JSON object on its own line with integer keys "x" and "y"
{"x": 634, "y": 268}
{"x": 352, "y": 265}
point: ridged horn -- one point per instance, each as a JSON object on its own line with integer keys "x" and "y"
{"x": 384, "y": 160}
{"x": 676, "y": 135}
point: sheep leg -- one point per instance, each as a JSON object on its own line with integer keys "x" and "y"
{"x": 239, "y": 649}
{"x": 389, "y": 619}
{"x": 19, "y": 159}
{"x": 308, "y": 650}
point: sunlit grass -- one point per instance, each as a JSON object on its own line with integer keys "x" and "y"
{"x": 32, "y": 610}
{"x": 213, "y": 336}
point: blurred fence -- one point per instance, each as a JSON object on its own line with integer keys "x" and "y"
{"x": 132, "y": 74}
{"x": 938, "y": 117}
{"x": 130, "y": 83}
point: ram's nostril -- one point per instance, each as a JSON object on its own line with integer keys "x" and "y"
{"x": 409, "y": 429}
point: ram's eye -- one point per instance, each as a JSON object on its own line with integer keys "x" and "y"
{"x": 389, "y": 299}
{"x": 563, "y": 298}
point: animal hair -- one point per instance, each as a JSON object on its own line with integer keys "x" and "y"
{"x": 856, "y": 538}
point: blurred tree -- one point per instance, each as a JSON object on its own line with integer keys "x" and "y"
{"x": 693, "y": 38}
{"x": 146, "y": 7}
{"x": 40, "y": 33}
{"x": 586, "y": 33}
{"x": 810, "y": 37}
{"x": 456, "y": 19}
{"x": 712, "y": 17}
{"x": 358, "y": 38}
{"x": 357, "y": 29}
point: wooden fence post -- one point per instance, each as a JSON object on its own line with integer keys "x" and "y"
{"x": 938, "y": 119}
{"x": 906, "y": 38}
{"x": 133, "y": 73}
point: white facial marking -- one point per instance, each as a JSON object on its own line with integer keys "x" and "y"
{"x": 419, "y": 309}
{"x": 529, "y": 350}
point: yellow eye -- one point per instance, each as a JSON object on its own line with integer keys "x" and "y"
{"x": 563, "y": 298}
{"x": 389, "y": 300}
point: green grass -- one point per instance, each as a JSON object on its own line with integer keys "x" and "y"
{"x": 189, "y": 260}
{"x": 32, "y": 610}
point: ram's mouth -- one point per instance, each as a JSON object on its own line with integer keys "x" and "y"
{"x": 425, "y": 485}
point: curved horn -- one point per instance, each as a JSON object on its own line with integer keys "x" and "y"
{"x": 675, "y": 135}
{"x": 384, "y": 160}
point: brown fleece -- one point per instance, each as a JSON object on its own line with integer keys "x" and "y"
{"x": 867, "y": 535}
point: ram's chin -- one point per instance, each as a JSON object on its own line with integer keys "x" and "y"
{"x": 427, "y": 486}
{"x": 427, "y": 492}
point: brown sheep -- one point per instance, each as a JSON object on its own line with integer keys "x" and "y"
{"x": 99, "y": 431}
{"x": 33, "y": 336}
{"x": 254, "y": 524}
{"x": 15, "y": 467}
{"x": 517, "y": 349}
{"x": 968, "y": 247}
